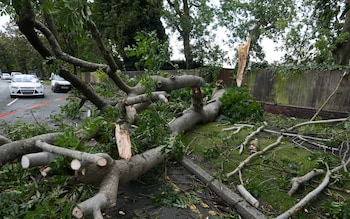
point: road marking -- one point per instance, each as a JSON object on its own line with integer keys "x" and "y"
{"x": 9, "y": 113}
{"x": 31, "y": 107}
{"x": 12, "y": 102}
{"x": 39, "y": 104}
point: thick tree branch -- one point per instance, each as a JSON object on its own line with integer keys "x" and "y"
{"x": 37, "y": 159}
{"x": 100, "y": 103}
{"x": 170, "y": 84}
{"x": 16, "y": 149}
{"x": 4, "y": 140}
{"x": 64, "y": 56}
{"x": 191, "y": 116}
{"x": 99, "y": 160}
{"x": 112, "y": 72}
{"x": 158, "y": 95}
{"x": 26, "y": 26}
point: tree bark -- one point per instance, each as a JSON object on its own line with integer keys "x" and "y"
{"x": 37, "y": 159}
{"x": 341, "y": 52}
{"x": 16, "y": 149}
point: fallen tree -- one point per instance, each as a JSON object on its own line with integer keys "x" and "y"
{"x": 101, "y": 169}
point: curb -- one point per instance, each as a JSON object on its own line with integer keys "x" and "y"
{"x": 242, "y": 207}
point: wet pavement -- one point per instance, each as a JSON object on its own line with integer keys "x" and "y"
{"x": 179, "y": 195}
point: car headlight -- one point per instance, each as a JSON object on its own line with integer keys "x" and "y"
{"x": 39, "y": 87}
{"x": 14, "y": 87}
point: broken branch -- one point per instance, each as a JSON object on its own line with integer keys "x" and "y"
{"x": 240, "y": 166}
{"x": 317, "y": 122}
{"x": 297, "y": 181}
{"x": 37, "y": 159}
{"x": 249, "y": 137}
{"x": 307, "y": 198}
{"x": 99, "y": 160}
{"x": 161, "y": 95}
{"x": 330, "y": 96}
{"x": 249, "y": 197}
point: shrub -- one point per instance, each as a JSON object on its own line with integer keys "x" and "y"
{"x": 238, "y": 104}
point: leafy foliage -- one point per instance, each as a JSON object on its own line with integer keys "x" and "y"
{"x": 22, "y": 130}
{"x": 268, "y": 176}
{"x": 26, "y": 194}
{"x": 72, "y": 108}
{"x": 150, "y": 51}
{"x": 151, "y": 130}
{"x": 192, "y": 21}
{"x": 121, "y": 21}
{"x": 170, "y": 197}
{"x": 336, "y": 209}
{"x": 238, "y": 104}
{"x": 174, "y": 147}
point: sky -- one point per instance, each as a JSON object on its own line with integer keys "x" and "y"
{"x": 268, "y": 45}
{"x": 3, "y": 20}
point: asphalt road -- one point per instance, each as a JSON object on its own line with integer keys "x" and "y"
{"x": 29, "y": 109}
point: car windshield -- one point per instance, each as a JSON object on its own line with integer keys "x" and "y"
{"x": 58, "y": 78}
{"x": 24, "y": 78}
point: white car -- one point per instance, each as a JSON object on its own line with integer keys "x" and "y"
{"x": 26, "y": 85}
{"x": 6, "y": 76}
{"x": 59, "y": 84}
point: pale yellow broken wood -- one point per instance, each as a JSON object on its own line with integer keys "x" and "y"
{"x": 243, "y": 51}
{"x": 122, "y": 138}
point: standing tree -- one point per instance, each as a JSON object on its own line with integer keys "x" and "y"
{"x": 120, "y": 22}
{"x": 193, "y": 21}
{"x": 256, "y": 19}
{"x": 252, "y": 21}
{"x": 331, "y": 30}
{"x": 16, "y": 53}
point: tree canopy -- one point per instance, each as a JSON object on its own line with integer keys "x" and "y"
{"x": 308, "y": 31}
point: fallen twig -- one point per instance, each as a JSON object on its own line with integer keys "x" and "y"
{"x": 307, "y": 198}
{"x": 317, "y": 122}
{"x": 249, "y": 197}
{"x": 249, "y": 137}
{"x": 296, "y": 135}
{"x": 240, "y": 166}
{"x": 330, "y": 96}
{"x": 297, "y": 181}
{"x": 238, "y": 128}
{"x": 324, "y": 147}
{"x": 314, "y": 192}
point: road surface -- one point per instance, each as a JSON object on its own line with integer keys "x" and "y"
{"x": 29, "y": 109}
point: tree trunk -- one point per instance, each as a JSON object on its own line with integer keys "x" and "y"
{"x": 341, "y": 53}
